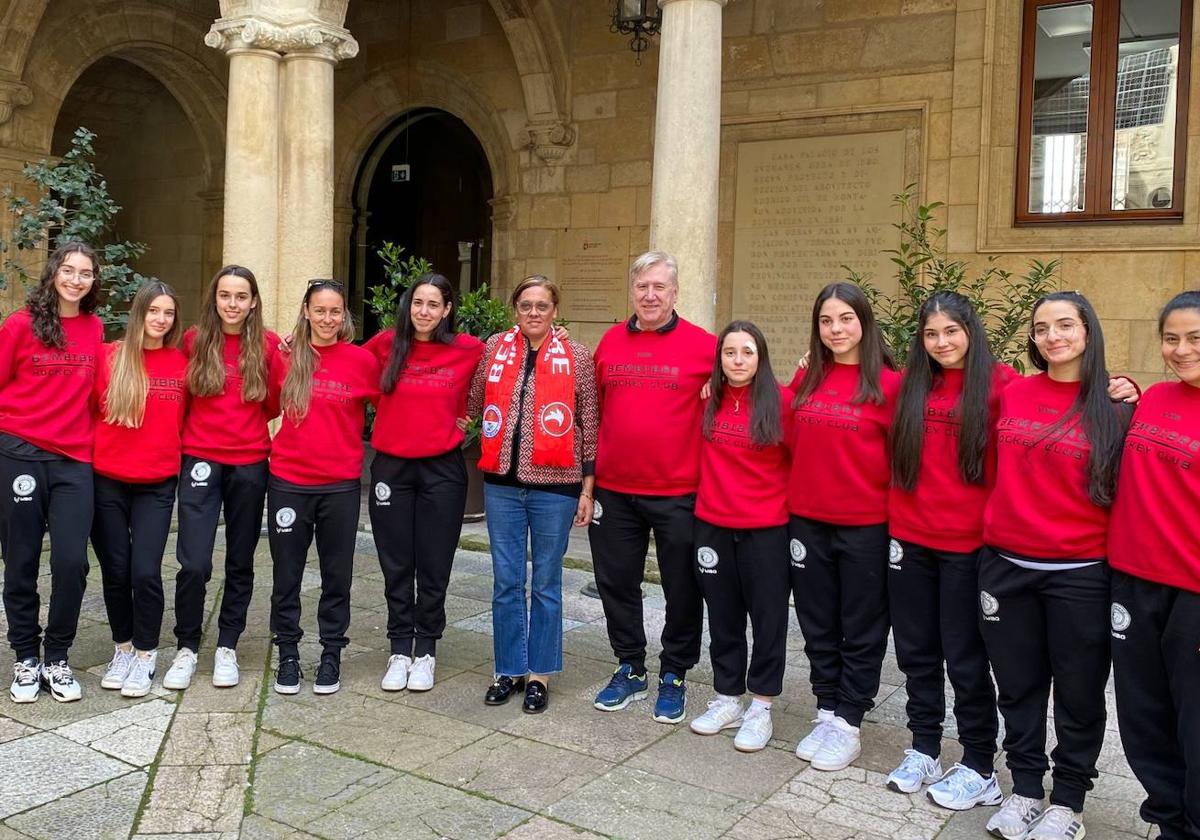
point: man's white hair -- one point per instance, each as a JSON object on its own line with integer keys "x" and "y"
{"x": 649, "y": 260}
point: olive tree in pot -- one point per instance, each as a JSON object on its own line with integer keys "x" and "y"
{"x": 478, "y": 314}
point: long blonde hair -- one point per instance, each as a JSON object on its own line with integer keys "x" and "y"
{"x": 297, "y": 385}
{"x": 206, "y": 367}
{"x": 125, "y": 399}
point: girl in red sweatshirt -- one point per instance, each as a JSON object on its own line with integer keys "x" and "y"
{"x": 418, "y": 476}
{"x": 142, "y": 398}
{"x": 1154, "y": 549}
{"x": 48, "y": 357}
{"x": 837, "y": 499}
{"x": 1043, "y": 577}
{"x": 741, "y": 534}
{"x": 323, "y": 386}
{"x": 225, "y": 446}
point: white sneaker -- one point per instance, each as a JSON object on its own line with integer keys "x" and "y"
{"x": 420, "y": 675}
{"x": 225, "y": 668}
{"x": 811, "y": 742}
{"x": 1058, "y": 822}
{"x": 1015, "y": 816}
{"x": 915, "y": 770}
{"x": 724, "y": 712}
{"x": 141, "y": 675}
{"x": 179, "y": 675}
{"x": 60, "y": 679}
{"x": 756, "y": 730}
{"x": 118, "y": 669}
{"x": 962, "y": 788}
{"x": 396, "y": 676}
{"x": 27, "y": 680}
{"x": 841, "y": 746}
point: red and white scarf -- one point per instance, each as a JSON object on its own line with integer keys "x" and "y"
{"x": 553, "y": 407}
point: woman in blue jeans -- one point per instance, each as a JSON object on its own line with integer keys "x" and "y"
{"x": 536, "y": 395}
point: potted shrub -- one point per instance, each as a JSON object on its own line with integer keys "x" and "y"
{"x": 478, "y": 314}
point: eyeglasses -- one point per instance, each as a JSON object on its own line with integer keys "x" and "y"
{"x": 69, "y": 273}
{"x": 527, "y": 306}
{"x": 1063, "y": 329}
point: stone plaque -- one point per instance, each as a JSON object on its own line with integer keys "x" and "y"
{"x": 806, "y": 206}
{"x": 593, "y": 274}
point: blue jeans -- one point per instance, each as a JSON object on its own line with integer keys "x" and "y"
{"x": 516, "y": 517}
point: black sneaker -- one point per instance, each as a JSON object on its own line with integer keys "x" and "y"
{"x": 288, "y": 676}
{"x": 328, "y": 674}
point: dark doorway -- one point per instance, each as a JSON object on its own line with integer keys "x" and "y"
{"x": 425, "y": 185}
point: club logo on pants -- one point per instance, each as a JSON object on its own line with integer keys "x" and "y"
{"x": 284, "y": 518}
{"x": 382, "y": 493}
{"x": 799, "y": 552}
{"x": 597, "y": 512}
{"x": 989, "y": 606}
{"x": 895, "y": 554}
{"x": 707, "y": 558}
{"x": 201, "y": 470}
{"x": 23, "y": 486}
{"x": 1121, "y": 619}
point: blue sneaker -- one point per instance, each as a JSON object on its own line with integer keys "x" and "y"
{"x": 621, "y": 690}
{"x": 672, "y": 697}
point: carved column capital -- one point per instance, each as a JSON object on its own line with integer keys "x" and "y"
{"x": 320, "y": 39}
{"x": 13, "y": 94}
{"x": 548, "y": 139}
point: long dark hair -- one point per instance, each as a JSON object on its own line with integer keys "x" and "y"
{"x": 873, "y": 352}
{"x": 922, "y": 372}
{"x": 1092, "y": 411}
{"x": 43, "y": 301}
{"x": 406, "y": 333}
{"x": 765, "y": 427}
{"x": 206, "y": 367}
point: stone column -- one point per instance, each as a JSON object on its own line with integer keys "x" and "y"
{"x": 687, "y": 149}
{"x": 306, "y": 186}
{"x": 251, "y": 210}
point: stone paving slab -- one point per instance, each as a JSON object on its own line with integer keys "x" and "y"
{"x": 226, "y": 764}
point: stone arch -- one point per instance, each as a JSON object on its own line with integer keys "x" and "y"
{"x": 160, "y": 40}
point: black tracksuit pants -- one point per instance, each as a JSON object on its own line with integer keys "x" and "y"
{"x": 129, "y": 534}
{"x": 204, "y": 488}
{"x": 293, "y": 519}
{"x": 933, "y": 597}
{"x": 745, "y": 572}
{"x": 620, "y": 537}
{"x": 1047, "y": 629}
{"x": 1156, "y": 662}
{"x": 839, "y": 585}
{"x": 416, "y": 512}
{"x": 34, "y": 496}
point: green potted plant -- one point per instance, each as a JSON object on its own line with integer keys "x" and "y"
{"x": 478, "y": 314}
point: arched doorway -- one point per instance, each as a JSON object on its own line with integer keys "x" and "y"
{"x": 151, "y": 156}
{"x": 425, "y": 185}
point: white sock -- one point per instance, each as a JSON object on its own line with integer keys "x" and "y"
{"x": 765, "y": 705}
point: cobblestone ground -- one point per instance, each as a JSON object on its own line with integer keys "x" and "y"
{"x": 247, "y": 763}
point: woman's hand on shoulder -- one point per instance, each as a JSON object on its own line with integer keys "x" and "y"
{"x": 1123, "y": 389}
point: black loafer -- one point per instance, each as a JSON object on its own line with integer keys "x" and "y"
{"x": 537, "y": 698}
{"x": 499, "y": 691}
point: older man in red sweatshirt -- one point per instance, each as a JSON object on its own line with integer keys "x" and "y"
{"x": 649, "y": 372}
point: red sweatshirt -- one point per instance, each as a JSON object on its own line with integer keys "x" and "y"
{"x": 417, "y": 420}
{"x": 1155, "y": 532}
{"x": 743, "y": 484}
{"x": 943, "y": 512}
{"x": 1039, "y": 507}
{"x": 45, "y": 393}
{"x": 151, "y": 452}
{"x": 326, "y": 445}
{"x": 648, "y": 384}
{"x": 840, "y": 467}
{"x": 224, "y": 428}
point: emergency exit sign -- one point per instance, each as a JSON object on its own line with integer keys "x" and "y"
{"x": 401, "y": 173}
